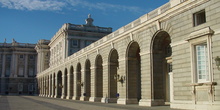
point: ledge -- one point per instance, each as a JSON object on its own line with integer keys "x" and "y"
{"x": 205, "y": 83}
{"x": 199, "y": 33}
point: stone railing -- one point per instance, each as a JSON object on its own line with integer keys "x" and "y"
{"x": 89, "y": 28}
{"x": 23, "y": 45}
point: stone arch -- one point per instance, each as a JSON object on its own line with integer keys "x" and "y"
{"x": 54, "y": 84}
{"x": 47, "y": 85}
{"x": 78, "y": 80}
{"x": 59, "y": 84}
{"x": 65, "y": 77}
{"x": 51, "y": 87}
{"x": 98, "y": 77}
{"x": 133, "y": 73}
{"x": 87, "y": 92}
{"x": 113, "y": 71}
{"x": 160, "y": 51}
{"x": 71, "y": 83}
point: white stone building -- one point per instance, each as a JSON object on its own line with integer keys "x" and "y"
{"x": 18, "y": 68}
{"x": 168, "y": 56}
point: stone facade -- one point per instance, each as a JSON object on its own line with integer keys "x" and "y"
{"x": 165, "y": 57}
{"x": 18, "y": 68}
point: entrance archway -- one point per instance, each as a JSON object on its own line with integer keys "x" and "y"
{"x": 113, "y": 68}
{"x": 50, "y": 86}
{"x": 54, "y": 85}
{"x": 87, "y": 80}
{"x": 71, "y": 85}
{"x": 59, "y": 84}
{"x": 99, "y": 77}
{"x": 133, "y": 73}
{"x": 65, "y": 83}
{"x": 161, "y": 50}
{"x": 79, "y": 81}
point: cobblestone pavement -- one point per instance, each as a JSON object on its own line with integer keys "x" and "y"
{"x": 43, "y": 103}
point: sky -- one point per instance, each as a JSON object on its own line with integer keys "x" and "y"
{"x": 27, "y": 21}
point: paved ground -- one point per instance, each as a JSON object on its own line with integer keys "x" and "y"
{"x": 42, "y": 103}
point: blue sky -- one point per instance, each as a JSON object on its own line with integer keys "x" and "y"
{"x": 28, "y": 21}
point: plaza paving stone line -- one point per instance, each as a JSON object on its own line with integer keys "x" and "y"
{"x": 42, "y": 103}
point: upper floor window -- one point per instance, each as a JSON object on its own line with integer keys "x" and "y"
{"x": 199, "y": 18}
{"x": 88, "y": 42}
{"x": 201, "y": 65}
{"x": 21, "y": 56}
{"x": 201, "y": 62}
{"x": 75, "y": 43}
{"x": 31, "y": 57}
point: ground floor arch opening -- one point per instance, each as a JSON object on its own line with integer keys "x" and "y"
{"x": 79, "y": 81}
{"x": 71, "y": 82}
{"x": 113, "y": 73}
{"x": 87, "y": 91}
{"x": 99, "y": 77}
{"x": 161, "y": 51}
{"x": 133, "y": 73}
{"x": 59, "y": 84}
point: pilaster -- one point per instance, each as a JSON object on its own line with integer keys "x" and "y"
{"x": 69, "y": 88}
{"x": 105, "y": 84}
{"x": 52, "y": 86}
{"x": 3, "y": 66}
{"x": 49, "y": 86}
{"x": 122, "y": 99}
{"x": 146, "y": 86}
{"x": 26, "y": 66}
{"x": 63, "y": 96}
{"x": 75, "y": 97}
{"x": 93, "y": 98}
{"x": 82, "y": 84}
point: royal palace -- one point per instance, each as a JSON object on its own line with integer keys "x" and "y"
{"x": 169, "y": 56}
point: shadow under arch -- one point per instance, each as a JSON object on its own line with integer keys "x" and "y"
{"x": 160, "y": 52}
{"x": 98, "y": 78}
{"x": 133, "y": 73}
{"x": 112, "y": 72}
{"x": 87, "y": 90}
{"x": 59, "y": 84}
{"x": 78, "y": 81}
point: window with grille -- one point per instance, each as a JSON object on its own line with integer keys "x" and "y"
{"x": 202, "y": 64}
{"x": 199, "y": 17}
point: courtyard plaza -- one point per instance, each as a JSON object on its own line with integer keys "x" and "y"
{"x": 43, "y": 103}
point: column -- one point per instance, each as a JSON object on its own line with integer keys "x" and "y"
{"x": 63, "y": 96}
{"x": 52, "y": 86}
{"x": 171, "y": 87}
{"x": 92, "y": 98}
{"x": 82, "y": 84}
{"x": 49, "y": 86}
{"x": 75, "y": 97}
{"x": 56, "y": 86}
{"x": 26, "y": 66}
{"x": 146, "y": 86}
{"x": 13, "y": 65}
{"x": 16, "y": 65}
{"x": 69, "y": 88}
{"x": 105, "y": 84}
{"x": 122, "y": 86}
{"x": 3, "y": 66}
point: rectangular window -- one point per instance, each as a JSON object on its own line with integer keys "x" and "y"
{"x": 199, "y": 18}
{"x": 20, "y": 71}
{"x": 88, "y": 42}
{"x": 21, "y": 56}
{"x": 31, "y": 57}
{"x": 31, "y": 71}
{"x": 75, "y": 43}
{"x": 202, "y": 65}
